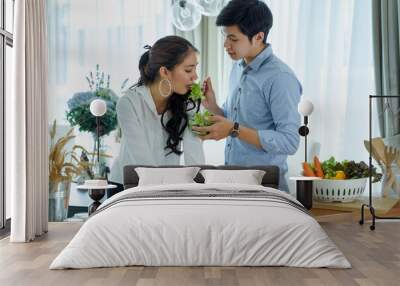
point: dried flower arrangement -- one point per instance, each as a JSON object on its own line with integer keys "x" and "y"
{"x": 64, "y": 165}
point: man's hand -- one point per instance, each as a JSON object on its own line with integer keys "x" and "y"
{"x": 210, "y": 101}
{"x": 220, "y": 129}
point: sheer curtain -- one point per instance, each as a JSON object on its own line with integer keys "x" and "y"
{"x": 85, "y": 33}
{"x": 109, "y": 33}
{"x": 29, "y": 178}
{"x": 213, "y": 62}
{"x": 386, "y": 35}
{"x": 329, "y": 46}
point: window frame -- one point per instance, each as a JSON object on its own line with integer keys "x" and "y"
{"x": 6, "y": 39}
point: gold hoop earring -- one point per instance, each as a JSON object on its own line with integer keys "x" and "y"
{"x": 169, "y": 86}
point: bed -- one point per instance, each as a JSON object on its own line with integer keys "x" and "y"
{"x": 201, "y": 224}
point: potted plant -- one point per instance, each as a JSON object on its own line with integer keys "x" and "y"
{"x": 78, "y": 113}
{"x": 64, "y": 165}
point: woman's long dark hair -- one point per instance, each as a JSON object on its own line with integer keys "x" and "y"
{"x": 169, "y": 52}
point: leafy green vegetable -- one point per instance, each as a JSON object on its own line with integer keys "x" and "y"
{"x": 329, "y": 167}
{"x": 352, "y": 169}
{"x": 196, "y": 94}
{"x": 200, "y": 119}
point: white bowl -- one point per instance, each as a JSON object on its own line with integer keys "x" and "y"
{"x": 338, "y": 190}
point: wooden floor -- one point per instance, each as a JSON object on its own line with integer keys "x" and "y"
{"x": 374, "y": 255}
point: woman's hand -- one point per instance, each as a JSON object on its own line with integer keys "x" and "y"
{"x": 210, "y": 101}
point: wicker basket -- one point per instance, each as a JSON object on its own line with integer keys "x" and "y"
{"x": 338, "y": 190}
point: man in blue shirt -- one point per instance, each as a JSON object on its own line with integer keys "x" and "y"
{"x": 259, "y": 118}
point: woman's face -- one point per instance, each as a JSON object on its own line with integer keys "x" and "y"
{"x": 184, "y": 74}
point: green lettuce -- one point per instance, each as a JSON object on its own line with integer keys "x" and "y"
{"x": 200, "y": 119}
{"x": 196, "y": 93}
{"x": 352, "y": 169}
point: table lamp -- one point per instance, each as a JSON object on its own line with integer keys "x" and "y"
{"x": 98, "y": 108}
{"x": 305, "y": 108}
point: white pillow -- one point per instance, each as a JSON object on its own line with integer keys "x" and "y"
{"x": 163, "y": 176}
{"x": 248, "y": 177}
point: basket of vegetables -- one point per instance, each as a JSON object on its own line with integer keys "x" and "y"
{"x": 341, "y": 181}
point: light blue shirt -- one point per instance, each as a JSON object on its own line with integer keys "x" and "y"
{"x": 264, "y": 96}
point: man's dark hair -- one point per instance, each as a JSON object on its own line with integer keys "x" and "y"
{"x": 251, "y": 16}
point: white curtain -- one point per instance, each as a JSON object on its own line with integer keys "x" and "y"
{"x": 29, "y": 152}
{"x": 213, "y": 62}
{"x": 329, "y": 45}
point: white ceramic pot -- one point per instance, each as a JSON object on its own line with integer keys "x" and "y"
{"x": 338, "y": 190}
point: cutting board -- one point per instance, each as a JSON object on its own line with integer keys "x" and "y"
{"x": 381, "y": 205}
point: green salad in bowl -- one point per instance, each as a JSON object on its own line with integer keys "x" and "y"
{"x": 200, "y": 119}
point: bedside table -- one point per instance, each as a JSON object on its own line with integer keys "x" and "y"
{"x": 96, "y": 194}
{"x": 304, "y": 186}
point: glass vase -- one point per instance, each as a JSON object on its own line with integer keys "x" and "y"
{"x": 59, "y": 200}
{"x": 99, "y": 162}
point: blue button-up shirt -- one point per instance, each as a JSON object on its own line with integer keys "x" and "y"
{"x": 264, "y": 96}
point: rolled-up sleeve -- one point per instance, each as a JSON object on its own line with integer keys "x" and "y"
{"x": 223, "y": 108}
{"x": 283, "y": 95}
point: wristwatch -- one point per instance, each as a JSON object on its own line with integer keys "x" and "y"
{"x": 235, "y": 130}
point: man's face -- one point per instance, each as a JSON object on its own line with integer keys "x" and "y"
{"x": 236, "y": 44}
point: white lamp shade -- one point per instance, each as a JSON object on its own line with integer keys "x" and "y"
{"x": 305, "y": 107}
{"x": 186, "y": 14}
{"x": 98, "y": 107}
{"x": 210, "y": 7}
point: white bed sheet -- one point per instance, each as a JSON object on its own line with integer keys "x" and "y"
{"x": 200, "y": 232}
